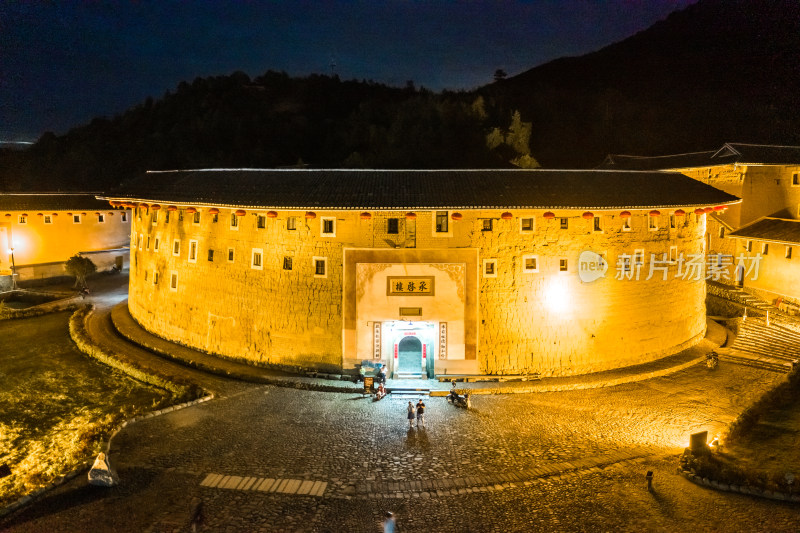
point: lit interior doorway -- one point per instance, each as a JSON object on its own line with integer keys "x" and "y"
{"x": 409, "y": 356}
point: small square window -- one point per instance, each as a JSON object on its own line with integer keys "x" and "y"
{"x": 48, "y": 219}
{"x": 795, "y": 179}
{"x": 765, "y": 248}
{"x": 562, "y": 265}
{"x": 441, "y": 222}
{"x": 291, "y": 223}
{"x": 596, "y": 224}
{"x": 76, "y": 219}
{"x": 530, "y": 264}
{"x": 722, "y": 232}
{"x": 23, "y": 219}
{"x": 124, "y": 217}
{"x": 328, "y": 227}
{"x": 215, "y": 218}
{"x": 320, "y": 267}
{"x": 672, "y": 220}
{"x": 652, "y": 223}
{"x": 196, "y": 217}
{"x": 176, "y": 247}
{"x": 211, "y": 255}
{"x": 393, "y": 226}
{"x": 487, "y": 224}
{"x": 173, "y": 281}
{"x": 180, "y": 215}
{"x": 564, "y": 223}
{"x": 154, "y": 217}
{"x": 101, "y": 218}
{"x": 256, "y": 261}
{"x": 749, "y": 246}
{"x": 626, "y": 224}
{"x": 192, "y": 251}
{"x": 287, "y": 263}
{"x": 526, "y": 225}
{"x": 490, "y": 268}
{"x": 234, "y": 221}
{"x": 261, "y": 222}
{"x": 788, "y": 254}
{"x": 230, "y": 255}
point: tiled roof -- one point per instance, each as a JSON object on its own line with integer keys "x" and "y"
{"x": 421, "y": 189}
{"x": 51, "y": 202}
{"x": 770, "y": 229}
{"x": 741, "y": 153}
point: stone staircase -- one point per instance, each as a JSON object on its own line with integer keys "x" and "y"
{"x": 759, "y": 344}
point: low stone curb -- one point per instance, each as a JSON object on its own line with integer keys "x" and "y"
{"x": 741, "y": 489}
{"x": 82, "y": 468}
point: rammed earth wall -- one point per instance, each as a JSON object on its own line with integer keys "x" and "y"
{"x": 547, "y": 321}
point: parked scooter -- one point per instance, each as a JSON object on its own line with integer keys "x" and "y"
{"x": 712, "y": 360}
{"x": 458, "y": 400}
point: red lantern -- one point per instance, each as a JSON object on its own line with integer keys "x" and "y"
{"x": 365, "y": 216}
{"x": 114, "y": 203}
{"x": 588, "y": 215}
{"x": 655, "y": 213}
{"x": 680, "y": 212}
{"x": 172, "y": 208}
{"x": 272, "y": 214}
{"x": 191, "y": 210}
{"x": 240, "y": 212}
{"x": 549, "y": 215}
{"x": 310, "y": 215}
{"x": 699, "y": 211}
{"x": 456, "y": 216}
{"x": 213, "y": 211}
{"x": 709, "y": 210}
{"x": 625, "y": 214}
{"x": 98, "y": 214}
{"x": 55, "y": 214}
{"x": 8, "y": 214}
{"x": 111, "y": 213}
{"x": 24, "y": 214}
{"x": 155, "y": 207}
{"x": 411, "y": 216}
{"x": 720, "y": 208}
{"x": 144, "y": 205}
{"x": 42, "y": 214}
{"x": 506, "y": 216}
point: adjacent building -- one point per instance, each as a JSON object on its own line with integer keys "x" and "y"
{"x": 39, "y": 232}
{"x": 767, "y": 179}
{"x": 429, "y": 271}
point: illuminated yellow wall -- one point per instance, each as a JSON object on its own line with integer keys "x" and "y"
{"x": 37, "y": 242}
{"x": 547, "y": 321}
{"x": 777, "y": 274}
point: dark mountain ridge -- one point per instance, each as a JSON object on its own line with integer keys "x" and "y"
{"x": 717, "y": 71}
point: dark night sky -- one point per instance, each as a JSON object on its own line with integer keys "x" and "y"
{"x": 63, "y": 63}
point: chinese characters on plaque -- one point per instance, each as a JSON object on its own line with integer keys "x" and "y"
{"x": 410, "y": 286}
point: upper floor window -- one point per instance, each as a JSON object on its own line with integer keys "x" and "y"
{"x": 486, "y": 224}
{"x": 230, "y": 255}
{"x": 320, "y": 267}
{"x": 597, "y": 225}
{"x": 261, "y": 222}
{"x": 257, "y": 258}
{"x": 196, "y": 217}
{"x": 76, "y": 219}
{"x": 176, "y": 247}
{"x": 721, "y": 232}
{"x": 23, "y": 219}
{"x": 530, "y": 263}
{"x": 749, "y": 246}
{"x": 652, "y": 223}
{"x": 788, "y": 253}
{"x": 211, "y": 255}
{"x": 192, "y": 251}
{"x": 626, "y": 224}
{"x": 490, "y": 268}
{"x": 101, "y": 218}
{"x": 287, "y": 263}
{"x": 157, "y": 242}
{"x": 564, "y": 223}
{"x": 526, "y": 225}
{"x": 441, "y": 222}
{"x": 393, "y": 226}
{"x": 796, "y": 179}
{"x": 173, "y": 281}
{"x": 166, "y": 217}
{"x": 48, "y": 219}
{"x": 124, "y": 216}
{"x": 291, "y": 223}
{"x": 234, "y": 220}
{"x": 562, "y": 265}
{"x": 154, "y": 217}
{"x": 764, "y": 248}
{"x": 328, "y": 226}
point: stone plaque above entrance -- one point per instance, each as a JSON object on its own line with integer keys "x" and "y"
{"x": 410, "y": 285}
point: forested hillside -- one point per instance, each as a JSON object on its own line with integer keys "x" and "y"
{"x": 718, "y": 71}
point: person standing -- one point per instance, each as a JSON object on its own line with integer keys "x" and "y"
{"x": 410, "y": 415}
{"x": 389, "y": 524}
{"x": 420, "y": 413}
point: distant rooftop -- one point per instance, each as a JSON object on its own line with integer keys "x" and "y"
{"x": 782, "y": 230}
{"x": 421, "y": 189}
{"x": 730, "y": 153}
{"x": 51, "y": 201}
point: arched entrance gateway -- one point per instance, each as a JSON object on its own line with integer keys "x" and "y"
{"x": 409, "y": 356}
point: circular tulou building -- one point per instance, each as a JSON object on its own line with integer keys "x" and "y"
{"x": 430, "y": 271}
